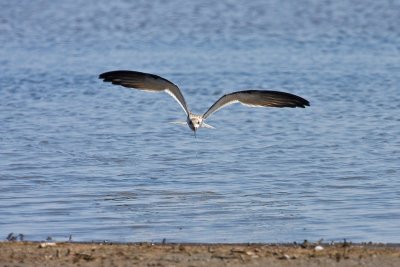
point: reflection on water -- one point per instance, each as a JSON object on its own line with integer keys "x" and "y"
{"x": 98, "y": 162}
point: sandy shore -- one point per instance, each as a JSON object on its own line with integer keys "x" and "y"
{"x": 146, "y": 254}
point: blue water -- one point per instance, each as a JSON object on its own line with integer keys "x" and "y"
{"x": 99, "y": 162}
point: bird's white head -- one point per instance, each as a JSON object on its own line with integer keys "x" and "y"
{"x": 194, "y": 121}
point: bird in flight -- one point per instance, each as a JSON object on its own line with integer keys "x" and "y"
{"x": 153, "y": 83}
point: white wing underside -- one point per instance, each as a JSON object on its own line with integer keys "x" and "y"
{"x": 168, "y": 92}
{"x": 250, "y": 105}
{"x": 226, "y": 104}
{"x": 236, "y": 101}
{"x": 177, "y": 100}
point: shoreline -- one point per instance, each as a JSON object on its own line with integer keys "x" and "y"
{"x": 23, "y": 253}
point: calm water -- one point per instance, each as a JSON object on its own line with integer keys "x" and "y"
{"x": 98, "y": 162}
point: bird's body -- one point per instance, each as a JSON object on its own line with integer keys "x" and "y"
{"x": 154, "y": 83}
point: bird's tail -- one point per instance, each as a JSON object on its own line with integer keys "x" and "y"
{"x": 205, "y": 125}
{"x": 179, "y": 122}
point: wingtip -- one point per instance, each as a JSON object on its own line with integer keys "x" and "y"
{"x": 103, "y": 75}
{"x": 109, "y": 74}
{"x": 303, "y": 103}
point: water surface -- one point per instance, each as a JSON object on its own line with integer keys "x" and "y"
{"x": 98, "y": 162}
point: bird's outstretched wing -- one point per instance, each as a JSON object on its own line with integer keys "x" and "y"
{"x": 258, "y": 98}
{"x": 145, "y": 81}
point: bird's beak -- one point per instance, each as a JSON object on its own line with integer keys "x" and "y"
{"x": 194, "y": 131}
